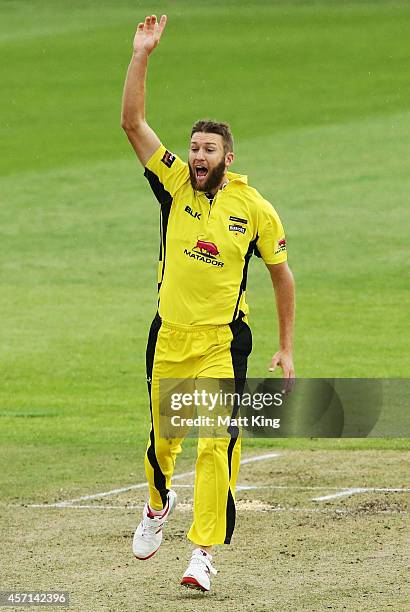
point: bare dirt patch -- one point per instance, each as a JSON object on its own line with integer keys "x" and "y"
{"x": 288, "y": 552}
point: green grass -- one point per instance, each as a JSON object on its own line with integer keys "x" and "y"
{"x": 318, "y": 97}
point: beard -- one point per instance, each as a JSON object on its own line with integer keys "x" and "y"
{"x": 213, "y": 180}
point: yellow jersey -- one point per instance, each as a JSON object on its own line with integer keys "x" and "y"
{"x": 206, "y": 244}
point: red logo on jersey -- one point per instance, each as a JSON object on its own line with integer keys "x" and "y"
{"x": 207, "y": 252}
{"x": 281, "y": 246}
{"x": 206, "y": 248}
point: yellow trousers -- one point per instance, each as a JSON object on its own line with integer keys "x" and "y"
{"x": 195, "y": 352}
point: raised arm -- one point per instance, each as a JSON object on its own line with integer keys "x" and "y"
{"x": 143, "y": 139}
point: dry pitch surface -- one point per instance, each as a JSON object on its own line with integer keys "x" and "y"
{"x": 291, "y": 550}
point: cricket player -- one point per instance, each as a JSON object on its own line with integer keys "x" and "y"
{"x": 211, "y": 223}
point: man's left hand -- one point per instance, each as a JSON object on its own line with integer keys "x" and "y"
{"x": 284, "y": 360}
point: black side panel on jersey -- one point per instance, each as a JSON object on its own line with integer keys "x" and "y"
{"x": 162, "y": 195}
{"x": 165, "y": 199}
{"x": 251, "y": 249}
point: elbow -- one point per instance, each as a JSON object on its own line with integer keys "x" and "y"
{"x": 126, "y": 125}
{"x": 131, "y": 125}
{"x": 281, "y": 274}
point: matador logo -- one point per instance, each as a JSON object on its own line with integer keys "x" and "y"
{"x": 207, "y": 248}
{"x": 206, "y": 252}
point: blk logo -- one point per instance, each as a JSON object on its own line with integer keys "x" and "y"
{"x": 194, "y": 214}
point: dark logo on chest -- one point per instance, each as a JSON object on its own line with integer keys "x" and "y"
{"x": 194, "y": 214}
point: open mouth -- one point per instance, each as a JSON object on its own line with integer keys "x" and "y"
{"x": 201, "y": 172}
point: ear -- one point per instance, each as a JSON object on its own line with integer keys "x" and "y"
{"x": 229, "y": 157}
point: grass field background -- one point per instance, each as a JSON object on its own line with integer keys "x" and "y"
{"x": 318, "y": 97}
{"x": 321, "y": 120}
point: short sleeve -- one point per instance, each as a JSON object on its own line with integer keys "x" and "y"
{"x": 271, "y": 242}
{"x": 166, "y": 170}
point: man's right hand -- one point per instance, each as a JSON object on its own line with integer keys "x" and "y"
{"x": 148, "y": 34}
{"x": 143, "y": 139}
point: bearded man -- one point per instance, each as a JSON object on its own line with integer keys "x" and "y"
{"x": 212, "y": 222}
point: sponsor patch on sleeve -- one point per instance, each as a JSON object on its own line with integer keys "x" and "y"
{"x": 280, "y": 246}
{"x": 168, "y": 159}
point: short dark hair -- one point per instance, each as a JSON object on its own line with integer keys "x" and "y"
{"x": 215, "y": 127}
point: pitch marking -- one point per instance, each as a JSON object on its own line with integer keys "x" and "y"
{"x": 140, "y": 485}
{"x": 343, "y": 493}
{"x": 133, "y": 507}
{"x": 356, "y": 490}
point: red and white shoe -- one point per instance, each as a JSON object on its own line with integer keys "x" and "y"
{"x": 148, "y": 535}
{"x": 198, "y": 573}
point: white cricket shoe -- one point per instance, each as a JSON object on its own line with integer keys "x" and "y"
{"x": 198, "y": 573}
{"x": 148, "y": 535}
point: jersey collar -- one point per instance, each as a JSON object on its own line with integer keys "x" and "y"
{"x": 241, "y": 178}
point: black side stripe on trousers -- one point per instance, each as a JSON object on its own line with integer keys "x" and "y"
{"x": 241, "y": 347}
{"x": 159, "y": 478}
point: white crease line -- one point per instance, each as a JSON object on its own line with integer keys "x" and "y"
{"x": 281, "y": 487}
{"x": 355, "y": 490}
{"x": 258, "y": 487}
{"x": 246, "y": 487}
{"x": 88, "y": 507}
{"x": 241, "y": 509}
{"x": 259, "y": 458}
{"x": 343, "y": 493}
{"x": 397, "y": 490}
{"x": 140, "y": 485}
{"x": 330, "y": 510}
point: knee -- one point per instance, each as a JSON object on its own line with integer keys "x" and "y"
{"x": 206, "y": 446}
{"x": 164, "y": 447}
{"x": 212, "y": 446}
